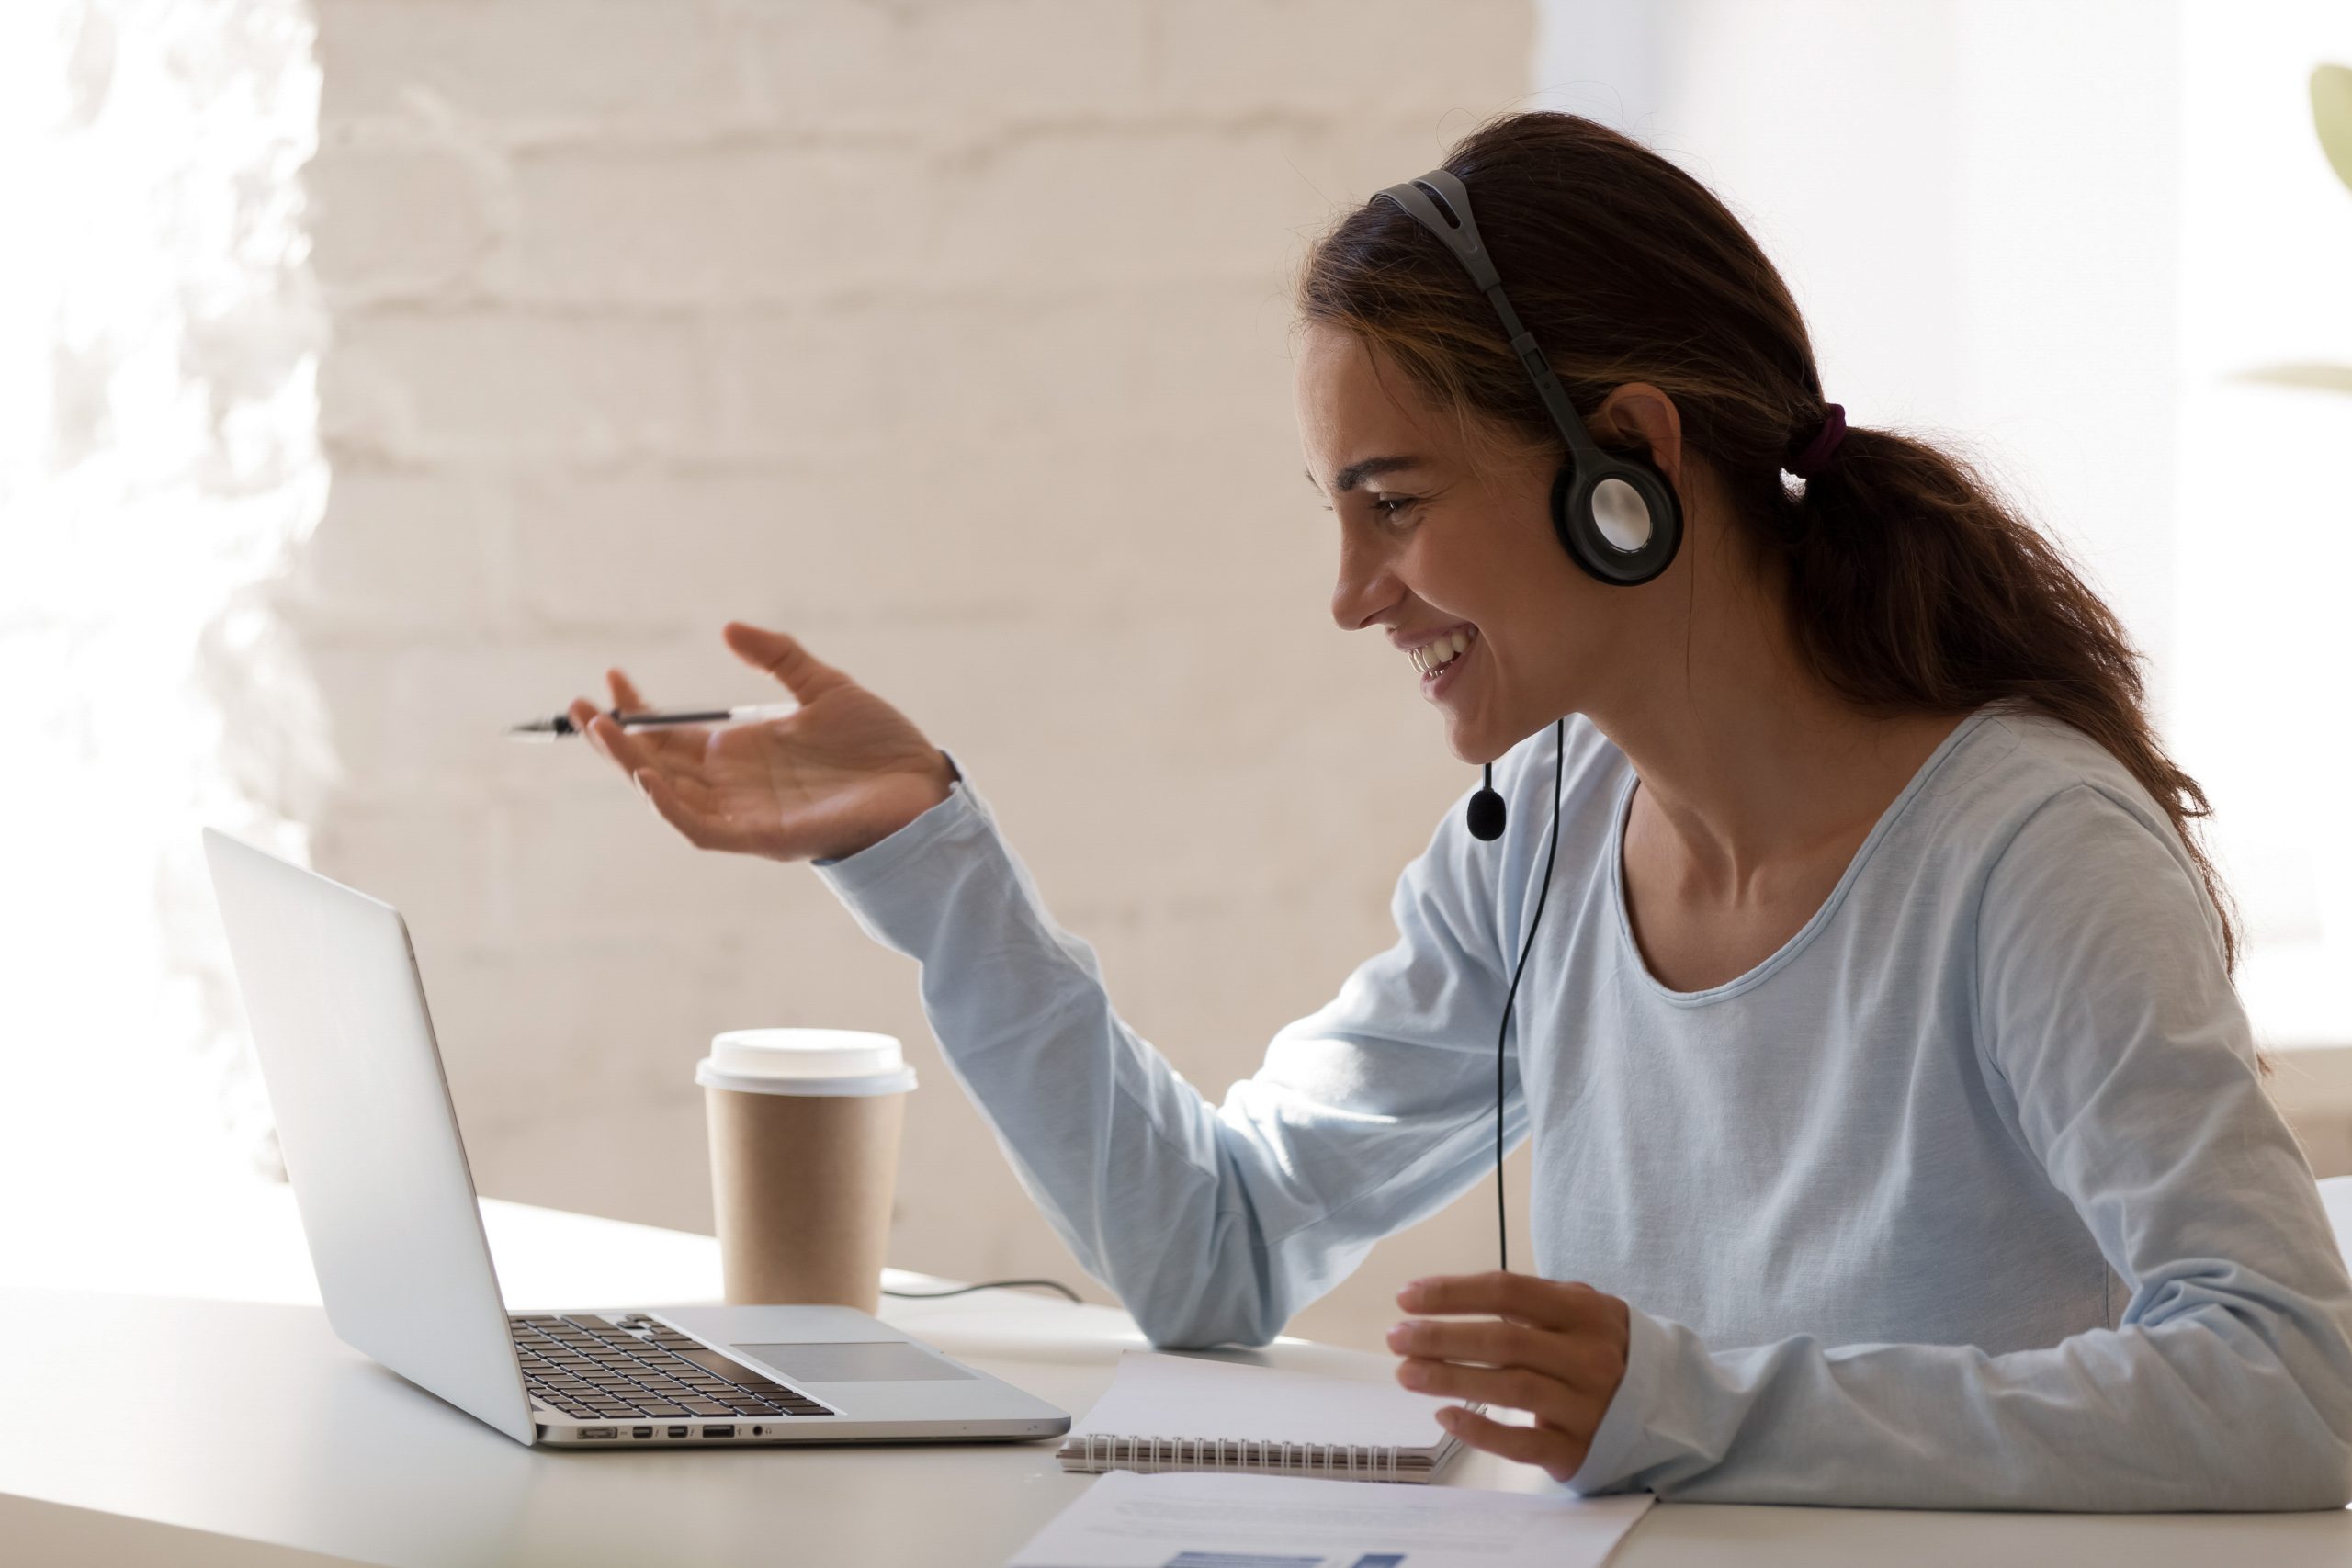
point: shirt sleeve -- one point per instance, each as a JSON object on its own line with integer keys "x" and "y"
{"x": 2115, "y": 1044}
{"x": 1213, "y": 1223}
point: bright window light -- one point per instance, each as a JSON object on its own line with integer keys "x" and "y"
{"x": 159, "y": 456}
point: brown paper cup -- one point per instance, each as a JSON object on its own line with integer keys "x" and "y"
{"x": 804, "y": 1154}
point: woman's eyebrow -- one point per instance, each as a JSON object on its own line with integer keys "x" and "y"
{"x": 1365, "y": 468}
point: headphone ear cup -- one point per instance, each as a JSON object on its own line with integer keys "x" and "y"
{"x": 1617, "y": 518}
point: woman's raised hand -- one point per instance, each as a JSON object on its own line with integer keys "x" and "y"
{"x": 843, "y": 771}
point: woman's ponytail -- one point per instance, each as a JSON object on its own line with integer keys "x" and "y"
{"x": 1911, "y": 585}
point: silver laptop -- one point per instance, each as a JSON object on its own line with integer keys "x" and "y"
{"x": 370, "y": 1140}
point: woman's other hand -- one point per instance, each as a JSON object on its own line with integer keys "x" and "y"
{"x": 1553, "y": 1349}
{"x": 843, "y": 771}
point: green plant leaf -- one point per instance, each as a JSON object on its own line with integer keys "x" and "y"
{"x": 2332, "y": 115}
{"x": 2318, "y": 378}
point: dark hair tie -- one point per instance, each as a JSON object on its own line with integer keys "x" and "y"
{"x": 1821, "y": 450}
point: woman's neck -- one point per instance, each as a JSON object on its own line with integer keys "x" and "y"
{"x": 1749, "y": 761}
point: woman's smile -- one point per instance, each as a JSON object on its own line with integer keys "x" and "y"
{"x": 1438, "y": 658}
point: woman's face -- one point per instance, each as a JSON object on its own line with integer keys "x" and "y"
{"x": 1438, "y": 538}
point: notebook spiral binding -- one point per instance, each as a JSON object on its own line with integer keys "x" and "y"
{"x": 1354, "y": 1462}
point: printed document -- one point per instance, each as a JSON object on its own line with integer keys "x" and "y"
{"x": 1204, "y": 1520}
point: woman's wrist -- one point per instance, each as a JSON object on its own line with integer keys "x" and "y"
{"x": 941, "y": 782}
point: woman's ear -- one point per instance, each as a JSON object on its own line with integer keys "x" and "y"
{"x": 1639, "y": 416}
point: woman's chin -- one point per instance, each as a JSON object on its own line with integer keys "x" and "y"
{"x": 1470, "y": 741}
{"x": 1478, "y": 738}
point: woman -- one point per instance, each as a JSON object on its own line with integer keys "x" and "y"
{"x": 1898, "y": 1135}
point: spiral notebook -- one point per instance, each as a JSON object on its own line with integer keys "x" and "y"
{"x": 1169, "y": 1412}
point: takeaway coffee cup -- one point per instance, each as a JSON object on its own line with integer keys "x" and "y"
{"x": 804, "y": 1154}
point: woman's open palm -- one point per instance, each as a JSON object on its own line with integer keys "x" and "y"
{"x": 843, "y": 771}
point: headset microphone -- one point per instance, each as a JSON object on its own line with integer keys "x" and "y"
{"x": 1486, "y": 810}
{"x": 1617, "y": 517}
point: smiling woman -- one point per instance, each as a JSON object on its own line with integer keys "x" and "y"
{"x": 1898, "y": 1138}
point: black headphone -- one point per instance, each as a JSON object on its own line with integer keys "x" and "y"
{"x": 1617, "y": 518}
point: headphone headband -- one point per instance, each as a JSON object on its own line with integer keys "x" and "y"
{"x": 1440, "y": 203}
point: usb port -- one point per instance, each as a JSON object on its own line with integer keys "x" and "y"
{"x": 640, "y": 1431}
{"x": 711, "y": 1432}
{"x": 598, "y": 1432}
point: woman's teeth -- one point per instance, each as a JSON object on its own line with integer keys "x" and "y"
{"x": 1432, "y": 656}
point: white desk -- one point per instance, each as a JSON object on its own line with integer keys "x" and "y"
{"x": 190, "y": 1429}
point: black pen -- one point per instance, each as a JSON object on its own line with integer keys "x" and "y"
{"x": 562, "y": 724}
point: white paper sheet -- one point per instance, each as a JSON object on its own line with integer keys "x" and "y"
{"x": 1206, "y": 1520}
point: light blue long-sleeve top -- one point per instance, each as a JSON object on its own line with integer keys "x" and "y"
{"x": 1970, "y": 1196}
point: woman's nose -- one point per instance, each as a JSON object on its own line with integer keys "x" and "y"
{"x": 1366, "y": 587}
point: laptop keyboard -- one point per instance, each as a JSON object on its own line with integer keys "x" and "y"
{"x": 589, "y": 1366}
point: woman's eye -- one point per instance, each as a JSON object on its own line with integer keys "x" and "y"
{"x": 1391, "y": 506}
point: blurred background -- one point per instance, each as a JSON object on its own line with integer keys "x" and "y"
{"x": 374, "y": 373}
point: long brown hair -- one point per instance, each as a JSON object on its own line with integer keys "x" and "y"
{"x": 1912, "y": 587}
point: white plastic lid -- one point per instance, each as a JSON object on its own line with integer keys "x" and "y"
{"x": 805, "y": 1061}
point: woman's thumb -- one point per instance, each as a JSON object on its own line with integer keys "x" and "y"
{"x": 807, "y": 676}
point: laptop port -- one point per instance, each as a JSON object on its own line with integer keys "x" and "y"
{"x": 711, "y": 1432}
{"x": 597, "y": 1432}
{"x": 640, "y": 1431}
{"x": 677, "y": 1431}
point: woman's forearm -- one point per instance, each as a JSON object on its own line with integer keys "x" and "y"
{"x": 1127, "y": 1160}
{"x": 1212, "y": 1223}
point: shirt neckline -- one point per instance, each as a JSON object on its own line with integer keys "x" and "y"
{"x": 1630, "y": 951}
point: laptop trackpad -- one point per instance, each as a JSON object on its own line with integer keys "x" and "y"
{"x": 886, "y": 1360}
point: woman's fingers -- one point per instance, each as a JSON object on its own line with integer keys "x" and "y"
{"x": 1571, "y": 1417}
{"x": 1522, "y": 1298}
{"x": 1516, "y": 1387}
{"x": 678, "y": 746}
{"x": 618, "y": 743}
{"x": 807, "y": 676}
{"x": 582, "y": 714}
{"x": 1557, "y": 1454}
{"x": 1580, "y": 1360}
{"x": 1555, "y": 1347}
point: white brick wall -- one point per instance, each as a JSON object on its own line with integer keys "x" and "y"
{"x": 951, "y": 336}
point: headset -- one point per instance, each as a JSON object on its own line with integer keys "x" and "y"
{"x": 1617, "y": 518}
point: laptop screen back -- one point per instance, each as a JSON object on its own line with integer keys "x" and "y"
{"x": 369, "y": 1132}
